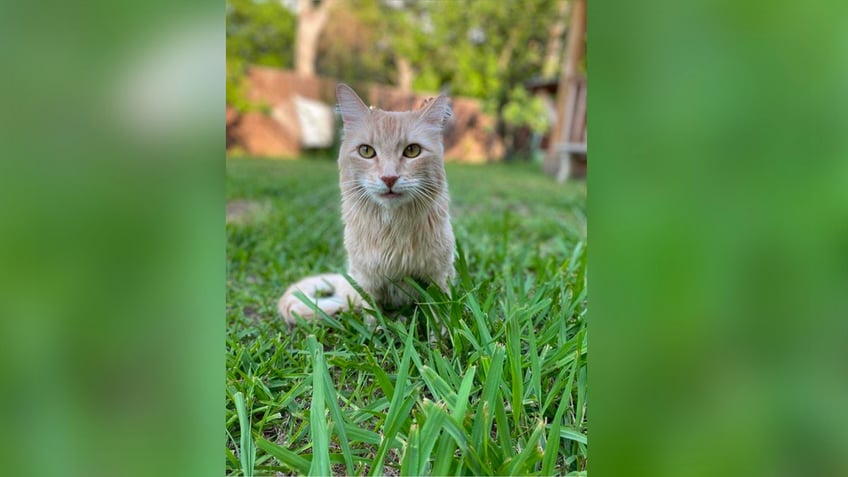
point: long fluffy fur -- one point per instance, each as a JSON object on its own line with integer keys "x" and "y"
{"x": 387, "y": 239}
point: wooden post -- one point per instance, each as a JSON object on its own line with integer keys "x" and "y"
{"x": 555, "y": 162}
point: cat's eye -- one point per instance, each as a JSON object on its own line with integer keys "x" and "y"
{"x": 367, "y": 151}
{"x": 412, "y": 150}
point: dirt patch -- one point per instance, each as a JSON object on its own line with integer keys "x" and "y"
{"x": 242, "y": 211}
{"x": 251, "y": 313}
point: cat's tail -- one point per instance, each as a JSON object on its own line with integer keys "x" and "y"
{"x": 330, "y": 292}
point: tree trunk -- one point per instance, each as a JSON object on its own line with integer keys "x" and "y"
{"x": 310, "y": 23}
{"x": 553, "y": 51}
{"x": 506, "y": 53}
{"x": 405, "y": 74}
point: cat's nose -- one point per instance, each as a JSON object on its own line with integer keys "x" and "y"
{"x": 389, "y": 180}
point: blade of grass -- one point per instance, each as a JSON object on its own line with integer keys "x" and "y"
{"x": 465, "y": 331}
{"x": 232, "y": 459}
{"x": 327, "y": 319}
{"x": 438, "y": 386}
{"x": 458, "y": 412}
{"x": 535, "y": 364}
{"x": 523, "y": 463}
{"x": 553, "y": 440}
{"x": 285, "y": 456}
{"x": 581, "y": 395}
{"x": 551, "y": 450}
{"x": 480, "y": 319}
{"x": 444, "y": 369}
{"x": 457, "y": 432}
{"x": 436, "y": 419}
{"x": 507, "y": 448}
{"x": 513, "y": 357}
{"x": 357, "y": 434}
{"x": 444, "y": 456}
{"x": 409, "y": 459}
{"x": 373, "y": 308}
{"x": 247, "y": 453}
{"x": 383, "y": 380}
{"x": 485, "y": 413}
{"x": 573, "y": 359}
{"x": 398, "y": 408}
{"x": 461, "y": 266}
{"x": 574, "y": 435}
{"x": 317, "y": 420}
{"x": 332, "y": 401}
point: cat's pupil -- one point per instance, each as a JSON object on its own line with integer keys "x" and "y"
{"x": 366, "y": 151}
{"x": 412, "y": 150}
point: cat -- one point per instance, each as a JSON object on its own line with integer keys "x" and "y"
{"x": 394, "y": 208}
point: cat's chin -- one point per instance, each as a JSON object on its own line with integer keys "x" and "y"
{"x": 392, "y": 199}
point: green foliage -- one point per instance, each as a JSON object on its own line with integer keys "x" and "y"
{"x": 258, "y": 33}
{"x": 489, "y": 378}
{"x": 523, "y": 109}
{"x": 236, "y": 92}
{"x": 478, "y": 49}
{"x": 484, "y": 49}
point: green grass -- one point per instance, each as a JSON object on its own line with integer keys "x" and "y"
{"x": 487, "y": 379}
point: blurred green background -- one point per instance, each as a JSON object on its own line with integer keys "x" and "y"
{"x": 718, "y": 213}
{"x": 719, "y": 230}
{"x": 112, "y": 243}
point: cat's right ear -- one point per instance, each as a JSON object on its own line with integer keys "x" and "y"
{"x": 351, "y": 108}
{"x": 436, "y": 111}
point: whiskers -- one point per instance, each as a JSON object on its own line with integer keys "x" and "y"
{"x": 421, "y": 195}
{"x": 354, "y": 194}
{"x": 424, "y": 193}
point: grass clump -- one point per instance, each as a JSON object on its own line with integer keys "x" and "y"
{"x": 489, "y": 378}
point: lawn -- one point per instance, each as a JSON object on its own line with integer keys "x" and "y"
{"x": 489, "y": 379}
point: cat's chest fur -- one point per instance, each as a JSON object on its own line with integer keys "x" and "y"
{"x": 386, "y": 246}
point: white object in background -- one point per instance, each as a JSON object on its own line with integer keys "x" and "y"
{"x": 317, "y": 122}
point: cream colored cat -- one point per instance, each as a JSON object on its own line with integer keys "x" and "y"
{"x": 394, "y": 208}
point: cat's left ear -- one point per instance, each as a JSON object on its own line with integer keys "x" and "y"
{"x": 436, "y": 111}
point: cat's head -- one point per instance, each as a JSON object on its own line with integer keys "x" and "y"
{"x": 389, "y": 157}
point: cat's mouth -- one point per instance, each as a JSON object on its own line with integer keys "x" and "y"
{"x": 391, "y": 195}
